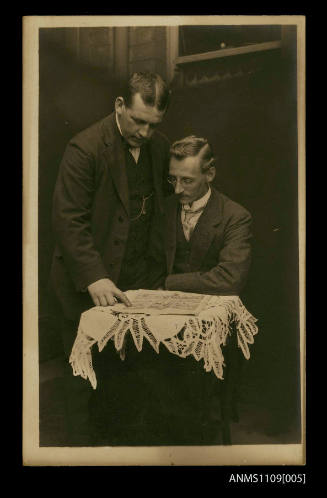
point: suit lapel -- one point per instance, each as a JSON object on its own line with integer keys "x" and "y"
{"x": 205, "y": 230}
{"x": 115, "y": 158}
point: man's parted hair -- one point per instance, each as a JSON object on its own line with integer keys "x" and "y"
{"x": 152, "y": 88}
{"x": 192, "y": 146}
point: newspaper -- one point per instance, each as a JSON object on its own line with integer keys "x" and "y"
{"x": 163, "y": 303}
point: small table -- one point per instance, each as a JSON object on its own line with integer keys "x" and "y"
{"x": 201, "y": 336}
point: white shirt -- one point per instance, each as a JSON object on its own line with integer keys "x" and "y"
{"x": 190, "y": 215}
{"x": 135, "y": 151}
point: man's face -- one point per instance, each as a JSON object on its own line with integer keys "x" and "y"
{"x": 188, "y": 180}
{"x": 139, "y": 121}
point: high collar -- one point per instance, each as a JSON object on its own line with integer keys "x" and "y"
{"x": 199, "y": 203}
{"x": 117, "y": 123}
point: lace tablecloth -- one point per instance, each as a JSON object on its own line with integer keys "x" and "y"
{"x": 201, "y": 336}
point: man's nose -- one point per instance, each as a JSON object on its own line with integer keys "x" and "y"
{"x": 178, "y": 188}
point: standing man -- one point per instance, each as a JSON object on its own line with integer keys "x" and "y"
{"x": 111, "y": 182}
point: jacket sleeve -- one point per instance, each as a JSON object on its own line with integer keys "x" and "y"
{"x": 228, "y": 277}
{"x": 72, "y": 202}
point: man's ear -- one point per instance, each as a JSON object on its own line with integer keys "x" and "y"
{"x": 210, "y": 174}
{"x": 119, "y": 104}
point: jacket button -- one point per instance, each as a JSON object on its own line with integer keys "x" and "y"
{"x": 116, "y": 242}
{"x": 121, "y": 219}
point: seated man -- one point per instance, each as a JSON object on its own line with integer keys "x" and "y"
{"x": 206, "y": 247}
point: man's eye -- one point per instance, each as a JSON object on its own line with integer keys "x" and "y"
{"x": 187, "y": 180}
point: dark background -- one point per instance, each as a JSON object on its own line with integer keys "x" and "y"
{"x": 250, "y": 117}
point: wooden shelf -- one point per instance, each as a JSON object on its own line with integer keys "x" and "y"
{"x": 227, "y": 52}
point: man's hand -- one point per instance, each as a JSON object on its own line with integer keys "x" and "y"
{"x": 104, "y": 292}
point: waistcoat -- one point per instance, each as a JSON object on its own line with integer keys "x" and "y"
{"x": 140, "y": 185}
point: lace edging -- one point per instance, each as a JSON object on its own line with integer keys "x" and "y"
{"x": 202, "y": 337}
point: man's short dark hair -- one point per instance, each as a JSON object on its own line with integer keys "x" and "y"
{"x": 192, "y": 146}
{"x": 152, "y": 88}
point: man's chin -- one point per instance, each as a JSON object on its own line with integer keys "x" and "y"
{"x": 184, "y": 200}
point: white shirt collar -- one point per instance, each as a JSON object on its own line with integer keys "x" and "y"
{"x": 199, "y": 203}
{"x": 118, "y": 125}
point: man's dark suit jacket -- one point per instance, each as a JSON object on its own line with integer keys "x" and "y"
{"x": 220, "y": 250}
{"x": 91, "y": 211}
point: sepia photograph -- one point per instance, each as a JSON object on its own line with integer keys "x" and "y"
{"x": 163, "y": 240}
